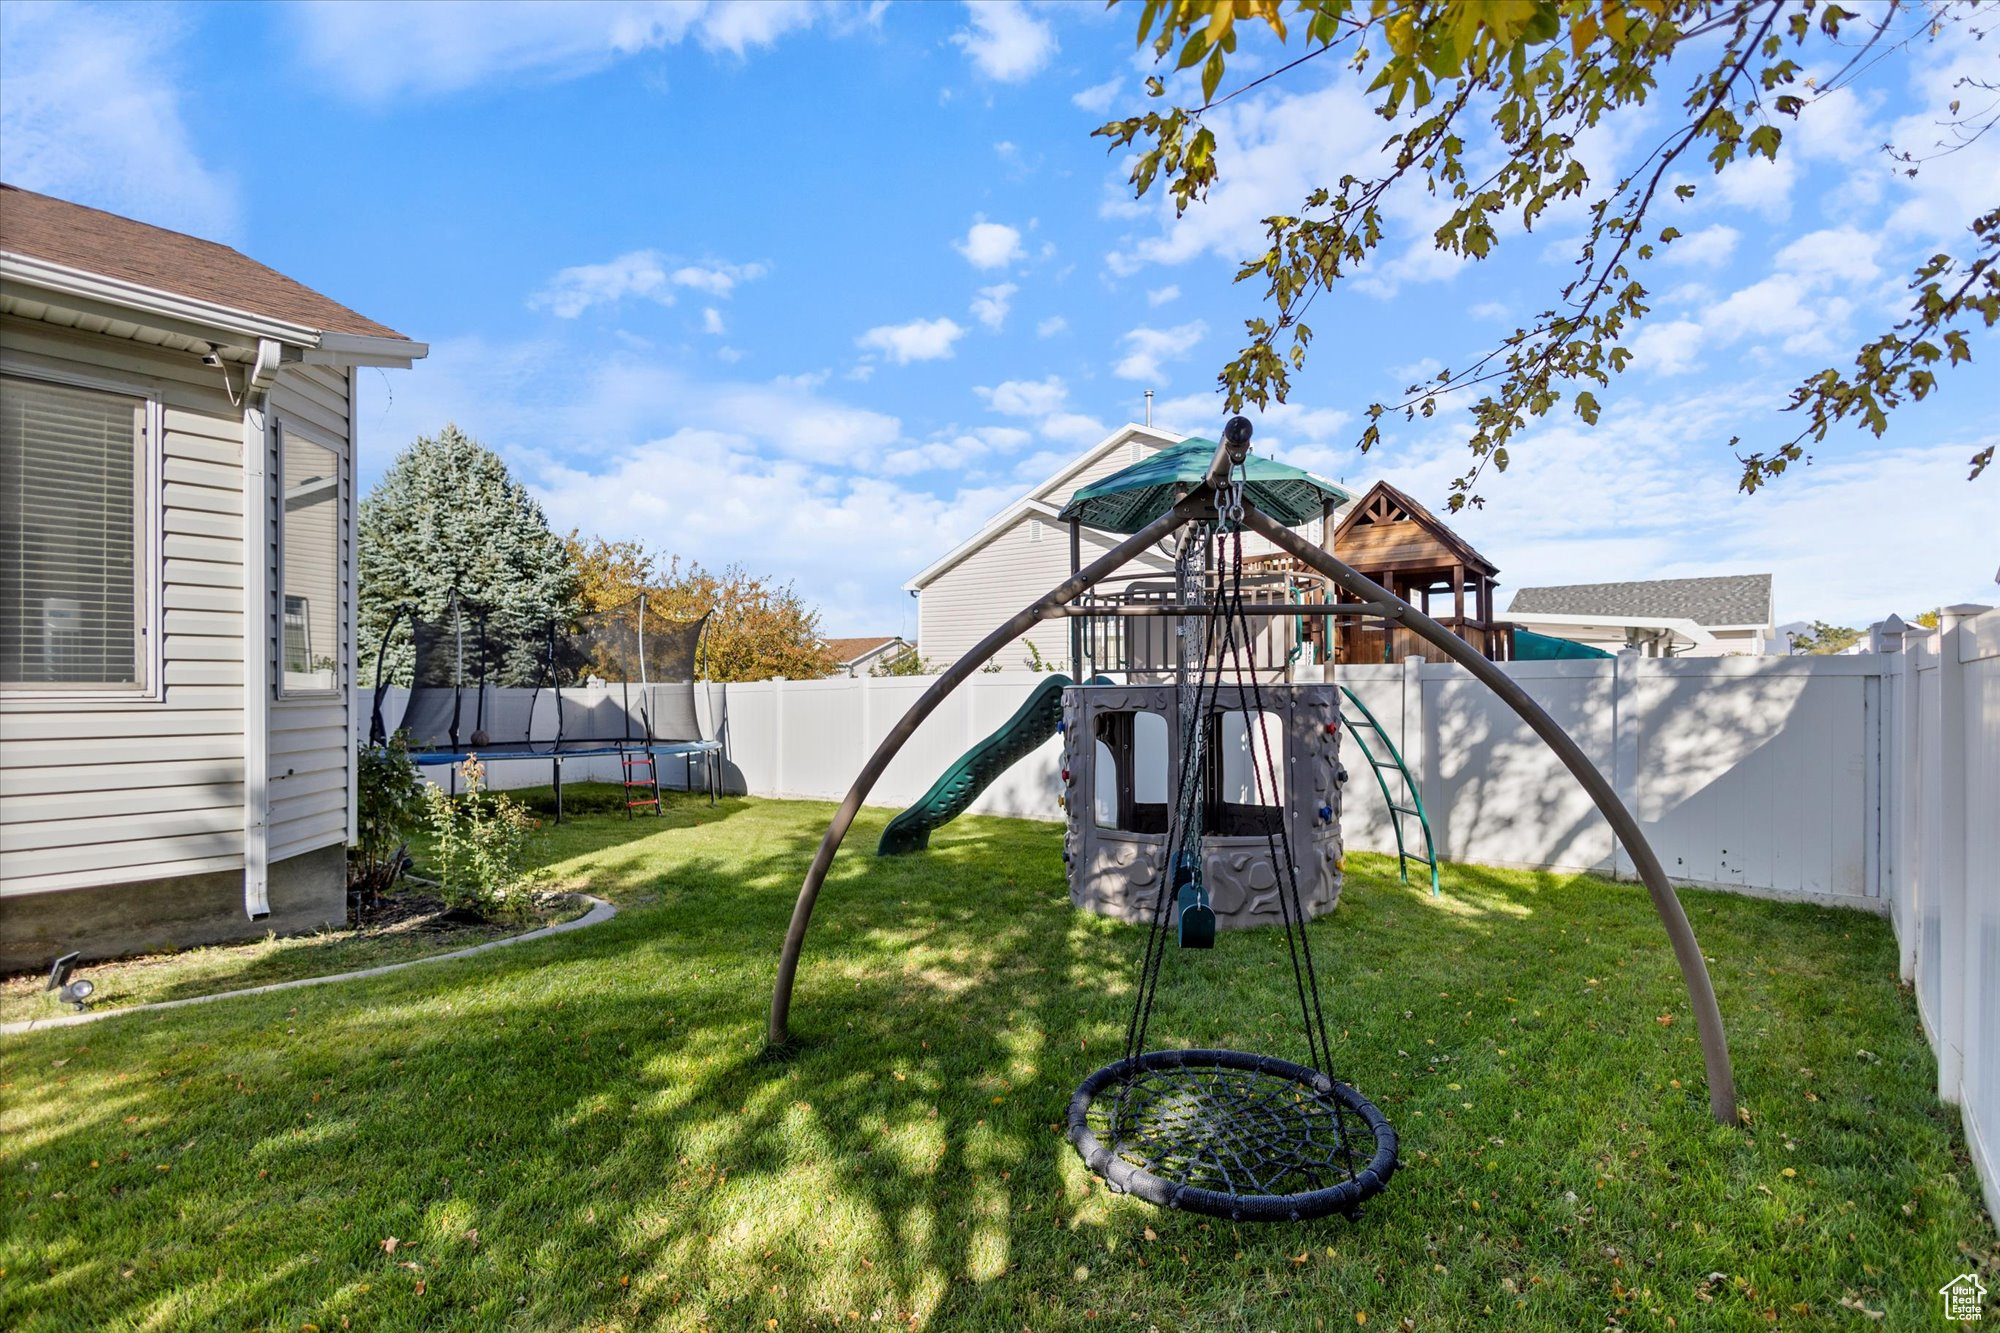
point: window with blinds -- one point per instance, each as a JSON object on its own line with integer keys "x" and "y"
{"x": 70, "y": 478}
{"x": 310, "y": 537}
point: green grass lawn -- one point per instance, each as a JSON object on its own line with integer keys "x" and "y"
{"x": 581, "y": 1132}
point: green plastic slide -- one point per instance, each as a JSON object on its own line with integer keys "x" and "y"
{"x": 1033, "y": 722}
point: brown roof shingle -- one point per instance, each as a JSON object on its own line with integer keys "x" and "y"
{"x": 846, "y": 650}
{"x": 42, "y": 227}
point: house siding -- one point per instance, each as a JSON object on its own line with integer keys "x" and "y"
{"x": 120, "y": 791}
{"x": 310, "y": 736}
{"x": 96, "y": 793}
{"x": 969, "y": 600}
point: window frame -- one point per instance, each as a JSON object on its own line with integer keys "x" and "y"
{"x": 285, "y": 428}
{"x": 148, "y": 557}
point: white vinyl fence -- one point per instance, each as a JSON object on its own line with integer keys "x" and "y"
{"x": 1943, "y": 826}
{"x": 1870, "y": 781}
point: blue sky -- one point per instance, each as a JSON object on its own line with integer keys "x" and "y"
{"x": 821, "y": 288}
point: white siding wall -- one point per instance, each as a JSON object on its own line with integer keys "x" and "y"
{"x": 974, "y": 596}
{"x": 102, "y": 793}
{"x": 98, "y": 793}
{"x": 310, "y": 737}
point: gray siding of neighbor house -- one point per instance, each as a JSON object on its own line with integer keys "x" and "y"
{"x": 124, "y": 792}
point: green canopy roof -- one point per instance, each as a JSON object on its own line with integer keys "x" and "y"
{"x": 1532, "y": 647}
{"x": 1127, "y": 501}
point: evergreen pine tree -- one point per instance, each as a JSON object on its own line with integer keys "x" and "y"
{"x": 448, "y": 516}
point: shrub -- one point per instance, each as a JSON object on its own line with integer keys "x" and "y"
{"x": 479, "y": 844}
{"x": 389, "y": 802}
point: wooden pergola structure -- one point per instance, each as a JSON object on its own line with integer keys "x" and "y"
{"x": 1390, "y": 538}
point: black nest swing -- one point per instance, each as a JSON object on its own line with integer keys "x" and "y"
{"x": 1251, "y": 1138}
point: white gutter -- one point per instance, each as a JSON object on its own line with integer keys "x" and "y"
{"x": 257, "y": 519}
{"x": 319, "y": 347}
{"x": 358, "y": 349}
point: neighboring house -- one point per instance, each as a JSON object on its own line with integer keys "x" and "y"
{"x": 1707, "y": 617}
{"x": 177, "y": 572}
{"x": 1023, "y": 551}
{"x": 856, "y": 657}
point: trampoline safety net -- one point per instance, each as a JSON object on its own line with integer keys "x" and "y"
{"x": 481, "y": 682}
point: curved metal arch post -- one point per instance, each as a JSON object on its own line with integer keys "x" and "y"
{"x": 377, "y": 733}
{"x": 1194, "y": 506}
{"x": 1694, "y": 971}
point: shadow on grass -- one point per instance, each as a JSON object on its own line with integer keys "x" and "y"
{"x": 584, "y": 1130}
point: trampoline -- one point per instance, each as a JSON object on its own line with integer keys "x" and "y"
{"x": 481, "y": 683}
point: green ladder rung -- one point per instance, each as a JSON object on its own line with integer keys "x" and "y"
{"x": 1405, "y": 810}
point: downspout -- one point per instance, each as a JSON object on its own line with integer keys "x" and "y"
{"x": 257, "y": 630}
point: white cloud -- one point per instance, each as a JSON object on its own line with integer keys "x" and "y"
{"x": 1668, "y": 349}
{"x": 1073, "y": 428}
{"x": 533, "y": 396}
{"x": 1314, "y": 437}
{"x": 1779, "y": 307}
{"x": 1709, "y": 247}
{"x": 1757, "y": 184}
{"x": 1026, "y": 398}
{"x": 1045, "y": 402}
{"x": 91, "y": 111}
{"x": 1666, "y": 505}
{"x": 1005, "y": 42}
{"x": 1838, "y": 254}
{"x": 374, "y": 50}
{"x": 641, "y": 273}
{"x": 990, "y": 307}
{"x": 1147, "y": 350}
{"x": 716, "y": 279}
{"x": 1159, "y": 296}
{"x": 1491, "y": 310}
{"x": 711, "y": 321}
{"x": 1097, "y": 98}
{"x": 1051, "y": 326}
{"x": 574, "y": 290}
{"x": 990, "y": 245}
{"x": 1800, "y": 305}
{"x": 1937, "y": 204}
{"x": 955, "y": 451}
{"x": 918, "y": 340}
{"x": 1275, "y": 149}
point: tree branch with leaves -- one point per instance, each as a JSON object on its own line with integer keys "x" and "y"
{"x": 1528, "y": 79}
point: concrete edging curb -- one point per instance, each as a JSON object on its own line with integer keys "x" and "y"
{"x": 600, "y": 911}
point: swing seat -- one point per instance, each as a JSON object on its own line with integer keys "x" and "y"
{"x": 1197, "y": 918}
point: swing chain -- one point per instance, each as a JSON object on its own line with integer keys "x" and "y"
{"x": 1229, "y": 501}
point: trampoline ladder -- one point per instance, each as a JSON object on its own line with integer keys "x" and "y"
{"x": 1358, "y": 721}
{"x": 633, "y": 762}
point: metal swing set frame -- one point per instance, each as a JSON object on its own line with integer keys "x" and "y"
{"x": 1201, "y": 504}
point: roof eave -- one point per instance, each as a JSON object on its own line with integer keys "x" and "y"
{"x": 316, "y": 346}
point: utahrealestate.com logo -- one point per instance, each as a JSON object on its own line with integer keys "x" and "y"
{"x": 1964, "y": 1298}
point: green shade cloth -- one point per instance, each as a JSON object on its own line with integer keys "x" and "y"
{"x": 1127, "y": 501}
{"x": 1532, "y": 647}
